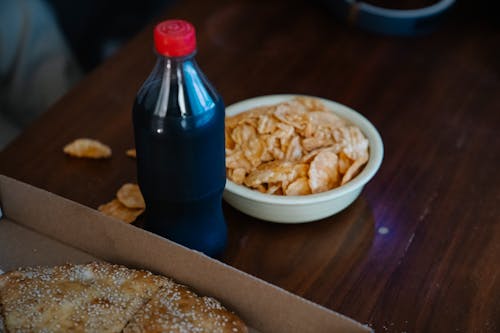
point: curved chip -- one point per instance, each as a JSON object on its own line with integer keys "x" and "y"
{"x": 299, "y": 187}
{"x": 117, "y": 210}
{"x": 323, "y": 174}
{"x": 354, "y": 169}
{"x": 131, "y": 153}
{"x": 87, "y": 148}
{"x": 271, "y": 172}
{"x": 237, "y": 175}
{"x": 130, "y": 196}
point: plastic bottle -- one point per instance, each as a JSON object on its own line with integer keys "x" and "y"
{"x": 179, "y": 135}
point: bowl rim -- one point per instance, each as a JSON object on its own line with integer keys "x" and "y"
{"x": 376, "y": 152}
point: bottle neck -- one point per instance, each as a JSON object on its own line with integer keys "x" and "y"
{"x": 183, "y": 89}
{"x": 170, "y": 71}
{"x": 180, "y": 59}
{"x": 173, "y": 69}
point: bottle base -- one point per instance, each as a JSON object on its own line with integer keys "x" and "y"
{"x": 197, "y": 225}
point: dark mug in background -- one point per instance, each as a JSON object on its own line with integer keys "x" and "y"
{"x": 402, "y": 18}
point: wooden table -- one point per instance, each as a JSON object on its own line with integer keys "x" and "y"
{"x": 419, "y": 251}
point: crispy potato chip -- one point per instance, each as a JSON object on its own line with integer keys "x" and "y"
{"x": 238, "y": 175}
{"x": 274, "y": 188}
{"x": 294, "y": 150}
{"x": 229, "y": 142}
{"x": 241, "y": 118}
{"x": 310, "y": 156}
{"x": 292, "y": 114}
{"x": 297, "y": 147}
{"x": 271, "y": 172}
{"x": 130, "y": 196}
{"x": 237, "y": 160}
{"x": 242, "y": 134}
{"x": 301, "y": 170}
{"x": 87, "y": 148}
{"x": 253, "y": 150}
{"x": 354, "y": 169}
{"x": 322, "y": 137}
{"x": 352, "y": 141}
{"x": 344, "y": 162}
{"x": 325, "y": 119}
{"x": 116, "y": 209}
{"x": 131, "y": 153}
{"x": 299, "y": 187}
{"x": 266, "y": 124}
{"x": 261, "y": 188}
{"x": 311, "y": 104}
{"x": 323, "y": 174}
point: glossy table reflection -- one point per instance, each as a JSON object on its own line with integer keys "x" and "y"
{"x": 419, "y": 251}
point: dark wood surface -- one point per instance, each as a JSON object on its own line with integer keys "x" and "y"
{"x": 419, "y": 251}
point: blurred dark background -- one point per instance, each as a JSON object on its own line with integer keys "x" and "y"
{"x": 47, "y": 46}
{"x": 95, "y": 29}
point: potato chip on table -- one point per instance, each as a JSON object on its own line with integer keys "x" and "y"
{"x": 128, "y": 204}
{"x": 87, "y": 148}
{"x": 131, "y": 153}
{"x": 117, "y": 210}
{"x": 130, "y": 196}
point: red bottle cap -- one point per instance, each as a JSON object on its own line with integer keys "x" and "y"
{"x": 175, "y": 38}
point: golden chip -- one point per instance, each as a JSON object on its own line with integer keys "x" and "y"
{"x": 87, "y": 148}
{"x": 323, "y": 174}
{"x": 271, "y": 172}
{"x": 299, "y": 187}
{"x": 236, "y": 160}
{"x": 274, "y": 188}
{"x": 344, "y": 162}
{"x": 130, "y": 196}
{"x": 238, "y": 175}
{"x": 131, "y": 153}
{"x": 312, "y": 104}
{"x": 294, "y": 149}
{"x": 117, "y": 210}
{"x": 354, "y": 169}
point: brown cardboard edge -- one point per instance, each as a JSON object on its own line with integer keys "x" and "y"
{"x": 259, "y": 303}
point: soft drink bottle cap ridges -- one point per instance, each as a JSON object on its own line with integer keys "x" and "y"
{"x": 175, "y": 38}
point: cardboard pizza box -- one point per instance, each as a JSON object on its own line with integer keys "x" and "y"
{"x": 40, "y": 228}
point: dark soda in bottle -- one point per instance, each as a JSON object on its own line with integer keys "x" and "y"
{"x": 179, "y": 135}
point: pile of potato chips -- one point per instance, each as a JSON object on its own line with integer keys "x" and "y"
{"x": 297, "y": 147}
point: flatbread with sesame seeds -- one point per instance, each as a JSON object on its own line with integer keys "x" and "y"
{"x": 79, "y": 298}
{"x": 177, "y": 310}
{"x": 100, "y": 297}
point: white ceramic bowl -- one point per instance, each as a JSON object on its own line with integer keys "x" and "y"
{"x": 312, "y": 207}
